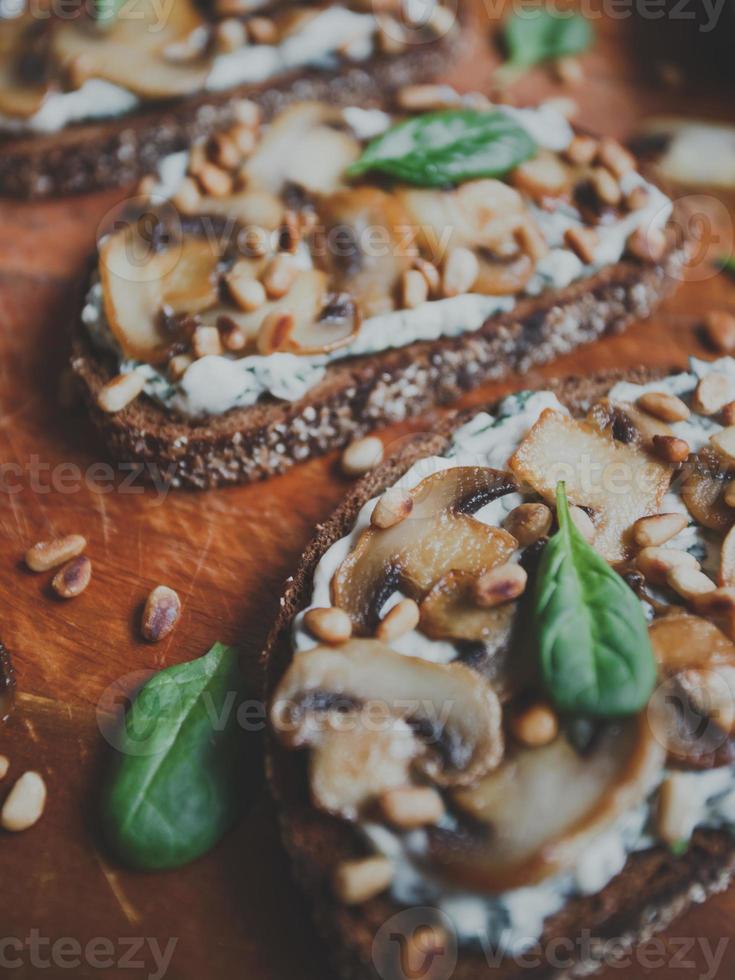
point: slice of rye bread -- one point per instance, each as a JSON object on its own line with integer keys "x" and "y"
{"x": 116, "y": 152}
{"x": 654, "y": 889}
{"x": 362, "y": 393}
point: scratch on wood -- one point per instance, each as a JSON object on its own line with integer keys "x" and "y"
{"x": 127, "y": 909}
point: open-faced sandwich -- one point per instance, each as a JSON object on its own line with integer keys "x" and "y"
{"x": 293, "y": 284}
{"x": 503, "y": 684}
{"x": 93, "y": 95}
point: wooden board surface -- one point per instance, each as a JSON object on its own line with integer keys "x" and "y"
{"x": 234, "y": 913}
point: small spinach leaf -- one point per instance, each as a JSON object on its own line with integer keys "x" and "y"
{"x": 105, "y": 12}
{"x": 447, "y": 147}
{"x": 176, "y": 785}
{"x": 596, "y": 657}
{"x": 537, "y": 34}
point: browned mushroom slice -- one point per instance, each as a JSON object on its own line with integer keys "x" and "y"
{"x": 319, "y": 329}
{"x": 19, "y": 97}
{"x": 439, "y": 536}
{"x": 627, "y": 423}
{"x": 449, "y": 612}
{"x": 131, "y": 53}
{"x": 619, "y": 482}
{"x": 543, "y": 807}
{"x": 304, "y": 146}
{"x": 140, "y": 281}
{"x": 253, "y": 207}
{"x": 367, "y": 245}
{"x": 455, "y": 712}
{"x": 702, "y": 489}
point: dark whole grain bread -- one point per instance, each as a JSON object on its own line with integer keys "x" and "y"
{"x": 91, "y": 156}
{"x": 589, "y": 932}
{"x": 362, "y": 393}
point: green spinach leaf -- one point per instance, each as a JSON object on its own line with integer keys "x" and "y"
{"x": 176, "y": 785}
{"x": 447, "y": 147}
{"x": 596, "y": 657}
{"x": 536, "y": 34}
{"x": 105, "y": 12}
{"x": 727, "y": 264}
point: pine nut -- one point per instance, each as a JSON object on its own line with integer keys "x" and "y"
{"x": 720, "y": 328}
{"x": 361, "y": 456}
{"x": 206, "y": 341}
{"x": 583, "y": 523}
{"x": 247, "y": 112}
{"x": 712, "y": 394}
{"x": 214, "y": 181}
{"x": 245, "y": 139}
{"x": 729, "y": 494}
{"x": 232, "y": 336}
{"x": 671, "y": 449}
{"x": 535, "y": 726}
{"x": 461, "y": 269}
{"x": 582, "y": 150}
{"x": 655, "y": 563}
{"x": 330, "y": 625}
{"x": 248, "y": 293}
{"x": 441, "y": 20}
{"x": 499, "y": 585}
{"x": 717, "y": 602}
{"x": 655, "y": 530}
{"x": 290, "y": 232}
{"x": 677, "y": 810}
{"x": 262, "y": 30}
{"x": 398, "y": 621}
{"x": 668, "y": 408}
{"x": 528, "y": 522}
{"x": 414, "y": 289}
{"x": 179, "y": 365}
{"x": 73, "y": 578}
{"x": 615, "y": 157}
{"x": 230, "y": 34}
{"x": 724, "y": 442}
{"x": 359, "y": 881}
{"x": 637, "y": 198}
{"x": 409, "y": 807}
{"x": 606, "y": 187}
{"x": 120, "y": 392}
{"x": 531, "y": 241}
{"x": 160, "y": 614}
{"x": 223, "y": 151}
{"x": 25, "y": 803}
{"x": 583, "y": 242}
{"x": 689, "y": 582}
{"x": 391, "y": 36}
{"x": 421, "y": 98}
{"x": 50, "y": 554}
{"x": 280, "y": 275}
{"x": 647, "y": 244}
{"x": 393, "y": 507}
{"x": 275, "y": 331}
{"x": 4, "y": 766}
{"x": 187, "y": 197}
{"x": 727, "y": 416}
{"x": 569, "y": 70}
{"x": 430, "y": 273}
{"x": 197, "y": 159}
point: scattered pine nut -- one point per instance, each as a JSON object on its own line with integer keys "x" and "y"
{"x": 50, "y": 554}
{"x": 671, "y": 448}
{"x": 280, "y": 275}
{"x": 230, "y": 34}
{"x": 569, "y": 70}
{"x": 4, "y": 766}
{"x": 430, "y": 273}
{"x": 606, "y": 186}
{"x": 215, "y": 181}
{"x": 393, "y": 507}
{"x": 677, "y": 810}
{"x": 358, "y": 881}
{"x": 245, "y": 139}
{"x": 689, "y": 582}
{"x": 615, "y": 157}
{"x": 73, "y": 578}
{"x": 409, "y": 807}
{"x": 583, "y": 522}
{"x": 160, "y": 614}
{"x": 361, "y": 456}
{"x": 531, "y": 241}
{"x": 582, "y": 150}
{"x": 223, "y": 151}
{"x": 637, "y": 198}
{"x": 187, "y": 196}
{"x": 528, "y": 522}
{"x": 262, "y": 30}
{"x": 712, "y": 394}
{"x": 275, "y": 331}
{"x": 655, "y": 563}
{"x": 659, "y": 528}
{"x": 720, "y": 328}
{"x": 500, "y": 584}
{"x": 724, "y": 442}
{"x": 247, "y": 112}
{"x": 535, "y": 726}
{"x": 120, "y": 392}
{"x": 179, "y": 365}
{"x": 461, "y": 269}
{"x": 206, "y": 341}
{"x": 232, "y": 336}
{"x": 583, "y": 242}
{"x": 668, "y": 408}
{"x": 541, "y": 177}
{"x": 647, "y": 244}
{"x": 441, "y": 19}
{"x": 414, "y": 289}
{"x": 398, "y": 621}
{"x": 330, "y": 625}
{"x": 25, "y": 803}
{"x": 729, "y": 494}
{"x": 422, "y": 98}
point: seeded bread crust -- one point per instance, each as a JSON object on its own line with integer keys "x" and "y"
{"x": 117, "y": 152}
{"x": 363, "y": 393}
{"x": 654, "y": 889}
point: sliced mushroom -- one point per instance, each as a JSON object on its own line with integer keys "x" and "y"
{"x": 702, "y": 490}
{"x": 619, "y": 482}
{"x": 456, "y": 713}
{"x": 367, "y": 245}
{"x": 439, "y": 536}
{"x": 449, "y": 611}
{"x": 139, "y": 281}
{"x": 19, "y": 96}
{"x": 132, "y": 51}
{"x": 543, "y": 807}
{"x": 627, "y": 423}
{"x": 303, "y": 146}
{"x": 253, "y": 207}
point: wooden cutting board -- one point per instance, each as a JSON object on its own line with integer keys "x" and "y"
{"x": 234, "y": 913}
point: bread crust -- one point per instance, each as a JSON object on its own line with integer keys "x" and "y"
{"x": 363, "y": 393}
{"x": 654, "y": 889}
{"x": 117, "y": 152}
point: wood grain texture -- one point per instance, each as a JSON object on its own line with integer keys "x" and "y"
{"x": 234, "y": 913}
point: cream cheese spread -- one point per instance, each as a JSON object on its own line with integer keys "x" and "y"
{"x": 512, "y": 921}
